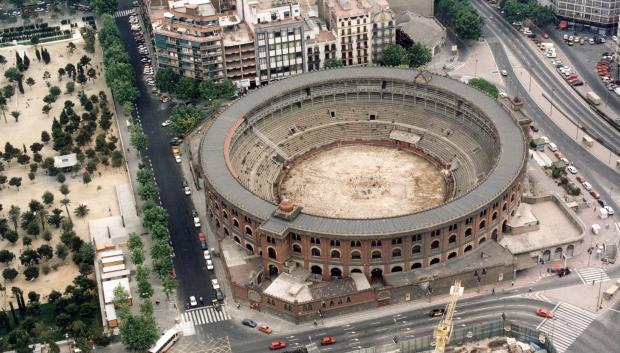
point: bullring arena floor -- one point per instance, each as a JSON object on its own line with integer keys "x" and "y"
{"x": 364, "y": 181}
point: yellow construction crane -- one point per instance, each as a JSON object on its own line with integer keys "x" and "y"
{"x": 443, "y": 331}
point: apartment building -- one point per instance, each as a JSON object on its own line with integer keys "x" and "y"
{"x": 320, "y": 43}
{"x": 363, "y": 28}
{"x": 278, "y": 37}
{"x": 600, "y": 16}
{"x": 239, "y": 54}
{"x": 188, "y": 39}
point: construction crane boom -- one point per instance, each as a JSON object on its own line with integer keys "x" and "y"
{"x": 443, "y": 331}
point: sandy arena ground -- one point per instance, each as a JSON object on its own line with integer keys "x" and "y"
{"x": 99, "y": 195}
{"x": 364, "y": 182}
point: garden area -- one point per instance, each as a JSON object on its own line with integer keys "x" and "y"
{"x": 54, "y": 101}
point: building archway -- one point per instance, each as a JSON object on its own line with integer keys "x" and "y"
{"x": 335, "y": 272}
{"x": 317, "y": 270}
{"x": 250, "y": 248}
{"x": 376, "y": 273}
{"x": 237, "y": 240}
{"x": 468, "y": 248}
{"x": 558, "y": 253}
{"x": 273, "y": 270}
{"x": 494, "y": 235}
{"x": 546, "y": 255}
{"x": 482, "y": 240}
{"x": 397, "y": 269}
{"x": 434, "y": 261}
{"x": 505, "y": 226}
{"x": 452, "y": 254}
{"x": 570, "y": 250}
{"x": 416, "y": 265}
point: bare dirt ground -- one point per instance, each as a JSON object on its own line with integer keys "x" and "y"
{"x": 99, "y": 195}
{"x": 364, "y": 182}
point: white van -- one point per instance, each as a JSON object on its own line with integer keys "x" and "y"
{"x": 552, "y": 147}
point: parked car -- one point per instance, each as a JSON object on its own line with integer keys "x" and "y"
{"x": 249, "y": 323}
{"x": 206, "y": 255}
{"x": 580, "y": 179}
{"x": 192, "y": 301}
{"x": 219, "y": 295}
{"x": 166, "y": 123}
{"x": 215, "y": 284}
{"x": 542, "y": 312}
{"x": 586, "y": 186}
{"x": 595, "y": 194}
{"x": 175, "y": 141}
{"x": 504, "y": 73}
{"x": 610, "y": 211}
{"x": 210, "y": 265}
{"x": 534, "y": 127}
{"x": 603, "y": 203}
{"x": 552, "y": 147}
{"x": 571, "y": 169}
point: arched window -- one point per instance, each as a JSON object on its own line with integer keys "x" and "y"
{"x": 271, "y": 252}
{"x": 482, "y": 240}
{"x": 512, "y": 198}
{"x": 315, "y": 252}
{"x": 468, "y": 248}
{"x": 237, "y": 240}
{"x": 416, "y": 265}
{"x": 297, "y": 248}
{"x": 217, "y": 223}
{"x": 504, "y": 207}
{"x": 250, "y": 248}
{"x": 452, "y": 239}
{"x": 224, "y": 214}
{"x": 451, "y": 255}
{"x": 434, "y": 261}
{"x": 494, "y": 216}
{"x": 317, "y": 270}
{"x": 397, "y": 269}
{"x": 396, "y": 252}
{"x": 416, "y": 249}
{"x": 248, "y": 230}
{"x": 355, "y": 243}
{"x": 226, "y": 231}
{"x": 483, "y": 224}
{"x": 335, "y": 272}
{"x": 375, "y": 243}
{"x": 376, "y": 254}
{"x": 356, "y": 255}
{"x": 435, "y": 244}
{"x": 335, "y": 254}
{"x": 468, "y": 232}
{"x": 235, "y": 223}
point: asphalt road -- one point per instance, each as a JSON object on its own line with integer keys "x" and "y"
{"x": 600, "y": 175}
{"x": 193, "y": 277}
{"x": 550, "y": 82}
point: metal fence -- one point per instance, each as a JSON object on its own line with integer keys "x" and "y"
{"x": 476, "y": 332}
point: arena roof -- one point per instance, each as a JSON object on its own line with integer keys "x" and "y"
{"x": 510, "y": 161}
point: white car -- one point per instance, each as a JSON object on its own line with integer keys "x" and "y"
{"x": 209, "y": 265}
{"x": 587, "y": 186}
{"x": 187, "y": 190}
{"x": 192, "y": 301}
{"x": 504, "y": 73}
{"x": 207, "y": 255}
{"x": 572, "y": 169}
{"x": 166, "y": 123}
{"x": 610, "y": 211}
{"x": 215, "y": 284}
{"x": 178, "y": 160}
{"x": 552, "y": 147}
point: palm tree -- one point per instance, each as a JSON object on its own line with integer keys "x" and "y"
{"x": 16, "y": 115}
{"x": 65, "y": 202}
{"x": 14, "y": 214}
{"x": 81, "y": 211}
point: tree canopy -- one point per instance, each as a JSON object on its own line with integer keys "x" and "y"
{"x": 462, "y": 17}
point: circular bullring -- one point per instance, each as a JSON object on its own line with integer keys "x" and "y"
{"x": 458, "y": 159}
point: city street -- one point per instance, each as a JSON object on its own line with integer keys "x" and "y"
{"x": 189, "y": 262}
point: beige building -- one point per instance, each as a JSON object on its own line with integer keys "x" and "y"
{"x": 383, "y": 28}
{"x": 428, "y": 31}
{"x": 188, "y": 39}
{"x": 239, "y": 57}
{"x": 320, "y": 43}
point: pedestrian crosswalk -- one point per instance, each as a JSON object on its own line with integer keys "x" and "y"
{"x": 568, "y": 323}
{"x": 205, "y": 315}
{"x": 123, "y": 13}
{"x": 537, "y": 296}
{"x": 592, "y": 274}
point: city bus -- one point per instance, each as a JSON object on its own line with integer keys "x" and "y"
{"x": 165, "y": 342}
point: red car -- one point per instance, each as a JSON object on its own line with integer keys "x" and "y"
{"x": 328, "y": 340}
{"x": 595, "y": 194}
{"x": 580, "y": 179}
{"x": 544, "y": 313}
{"x": 264, "y": 328}
{"x": 277, "y": 345}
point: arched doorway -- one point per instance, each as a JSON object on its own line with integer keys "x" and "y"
{"x": 273, "y": 270}
{"x": 434, "y": 261}
{"x": 482, "y": 240}
{"x": 452, "y": 254}
{"x": 468, "y": 248}
{"x": 557, "y": 254}
{"x": 335, "y": 272}
{"x": 250, "y": 248}
{"x": 317, "y": 270}
{"x": 570, "y": 250}
{"x": 397, "y": 269}
{"x": 505, "y": 226}
{"x": 376, "y": 273}
{"x": 416, "y": 265}
{"x": 546, "y": 255}
{"x": 494, "y": 235}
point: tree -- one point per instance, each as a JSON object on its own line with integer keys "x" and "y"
{"x": 138, "y": 332}
{"x": 15, "y": 114}
{"x": 8, "y": 91}
{"x": 394, "y": 55}
{"x": 104, "y": 6}
{"x": 148, "y": 191}
{"x": 31, "y": 273}
{"x": 169, "y": 284}
{"x": 46, "y": 109}
{"x": 2, "y": 60}
{"x": 70, "y": 86}
{"x": 26, "y": 62}
{"x": 61, "y": 178}
{"x": 91, "y": 73}
{"x": 65, "y": 202}
{"x": 81, "y": 211}
{"x": 11, "y": 236}
{"x": 3, "y": 107}
{"x": 16, "y": 181}
{"x": 46, "y": 251}
{"x": 144, "y": 286}
{"x": 9, "y": 274}
{"x": 138, "y": 138}
{"x": 12, "y": 74}
{"x": 62, "y": 251}
{"x": 419, "y": 55}
{"x": 184, "y": 117}
{"x": 56, "y": 217}
{"x": 45, "y": 55}
{"x": 45, "y": 137}
{"x": 485, "y": 86}
{"x": 48, "y": 198}
{"x": 86, "y": 178}
{"x": 187, "y": 88}
{"x": 14, "y": 215}
{"x": 332, "y": 63}
{"x": 23, "y": 159}
{"x": 26, "y": 241}
{"x": 55, "y": 91}
{"x": 166, "y": 80}
{"x": 85, "y": 60}
{"x": 6, "y": 256}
